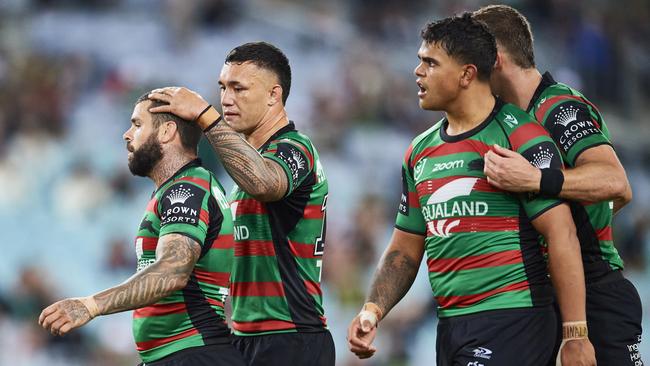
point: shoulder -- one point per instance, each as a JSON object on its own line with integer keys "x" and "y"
{"x": 195, "y": 176}
{"x": 520, "y": 127}
{"x": 560, "y": 100}
{"x": 424, "y": 140}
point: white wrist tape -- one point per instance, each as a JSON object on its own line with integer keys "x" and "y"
{"x": 90, "y": 304}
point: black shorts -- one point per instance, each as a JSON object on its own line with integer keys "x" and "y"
{"x": 510, "y": 337}
{"x": 212, "y": 355}
{"x": 295, "y": 349}
{"x": 614, "y": 320}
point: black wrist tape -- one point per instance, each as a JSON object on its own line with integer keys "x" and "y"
{"x": 551, "y": 183}
{"x": 213, "y": 124}
{"x": 202, "y": 112}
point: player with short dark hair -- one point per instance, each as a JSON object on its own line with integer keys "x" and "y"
{"x": 184, "y": 247}
{"x": 279, "y": 204}
{"x": 485, "y": 265}
{"x": 593, "y": 179}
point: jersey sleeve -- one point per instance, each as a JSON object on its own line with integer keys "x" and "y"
{"x": 534, "y": 144}
{"x": 184, "y": 209}
{"x": 409, "y": 215}
{"x": 294, "y": 157}
{"x": 573, "y": 129}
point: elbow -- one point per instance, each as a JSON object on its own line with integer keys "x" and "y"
{"x": 620, "y": 190}
{"x": 180, "y": 282}
{"x": 265, "y": 196}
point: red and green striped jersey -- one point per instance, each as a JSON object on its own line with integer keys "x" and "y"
{"x": 279, "y": 245}
{"x": 575, "y": 124}
{"x": 482, "y": 250}
{"x": 190, "y": 203}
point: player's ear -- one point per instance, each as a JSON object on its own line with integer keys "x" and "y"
{"x": 276, "y": 95}
{"x": 498, "y": 63}
{"x": 167, "y": 131}
{"x": 468, "y": 74}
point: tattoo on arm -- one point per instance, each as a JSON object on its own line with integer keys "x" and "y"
{"x": 392, "y": 280}
{"x": 256, "y": 175}
{"x": 175, "y": 258}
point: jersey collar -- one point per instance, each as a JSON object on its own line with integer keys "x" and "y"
{"x": 547, "y": 80}
{"x": 192, "y": 164}
{"x": 498, "y": 104}
{"x": 288, "y": 128}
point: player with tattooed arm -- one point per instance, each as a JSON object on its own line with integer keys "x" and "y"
{"x": 278, "y": 203}
{"x": 485, "y": 265}
{"x": 184, "y": 248}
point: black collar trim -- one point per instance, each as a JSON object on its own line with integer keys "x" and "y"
{"x": 498, "y": 104}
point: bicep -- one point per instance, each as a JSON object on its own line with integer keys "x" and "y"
{"x": 178, "y": 252}
{"x": 282, "y": 186}
{"x": 603, "y": 154}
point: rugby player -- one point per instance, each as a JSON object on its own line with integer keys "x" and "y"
{"x": 279, "y": 204}
{"x": 593, "y": 179}
{"x": 184, "y": 247}
{"x": 486, "y": 268}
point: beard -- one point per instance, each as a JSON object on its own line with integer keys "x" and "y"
{"x": 146, "y": 157}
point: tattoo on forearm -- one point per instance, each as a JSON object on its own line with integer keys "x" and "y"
{"x": 245, "y": 165}
{"x": 175, "y": 261}
{"x": 392, "y": 280}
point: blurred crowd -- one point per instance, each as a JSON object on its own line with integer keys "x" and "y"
{"x": 70, "y": 72}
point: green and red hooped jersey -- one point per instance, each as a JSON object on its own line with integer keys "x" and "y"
{"x": 482, "y": 250}
{"x": 279, "y": 245}
{"x": 191, "y": 203}
{"x": 575, "y": 124}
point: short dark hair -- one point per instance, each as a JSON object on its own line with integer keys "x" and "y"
{"x": 466, "y": 40}
{"x": 189, "y": 132}
{"x": 266, "y": 56}
{"x": 511, "y": 30}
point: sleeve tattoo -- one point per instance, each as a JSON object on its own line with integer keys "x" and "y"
{"x": 175, "y": 258}
{"x": 254, "y": 174}
{"x": 392, "y": 280}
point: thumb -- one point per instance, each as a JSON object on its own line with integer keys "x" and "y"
{"x": 503, "y": 151}
{"x": 366, "y": 326}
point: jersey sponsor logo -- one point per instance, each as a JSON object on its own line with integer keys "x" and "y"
{"x": 571, "y": 122}
{"x": 438, "y": 209}
{"x": 543, "y": 155}
{"x": 566, "y": 115}
{"x": 404, "y": 200}
{"x": 482, "y": 352}
{"x": 181, "y": 204}
{"x": 510, "y": 120}
{"x": 635, "y": 354}
{"x": 294, "y": 159}
{"x": 455, "y": 188}
{"x": 420, "y": 167}
{"x": 179, "y": 195}
{"x": 448, "y": 165}
{"x": 474, "y": 363}
{"x": 543, "y": 158}
{"x": 241, "y": 232}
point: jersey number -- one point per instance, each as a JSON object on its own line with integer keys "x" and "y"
{"x": 319, "y": 247}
